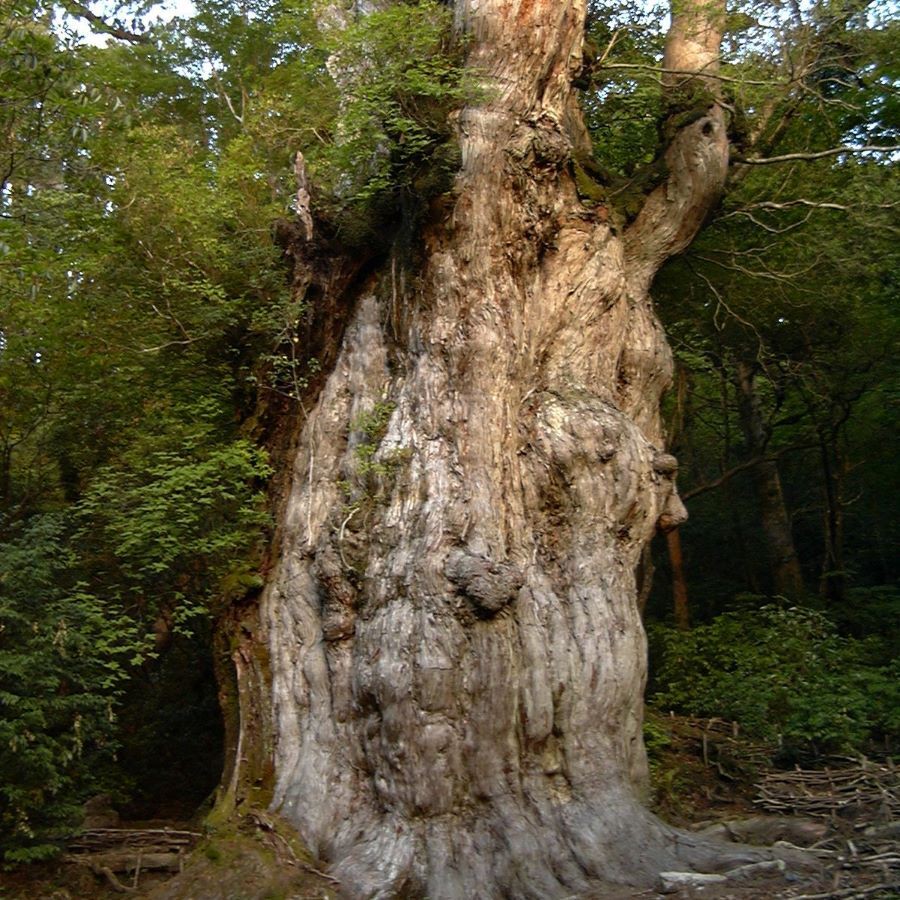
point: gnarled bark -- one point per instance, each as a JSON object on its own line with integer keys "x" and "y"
{"x": 457, "y": 658}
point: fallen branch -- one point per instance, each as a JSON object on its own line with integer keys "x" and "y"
{"x": 867, "y": 786}
{"x": 848, "y": 893}
{"x": 160, "y": 839}
{"x": 106, "y": 851}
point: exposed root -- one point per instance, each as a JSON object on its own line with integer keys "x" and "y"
{"x": 284, "y": 852}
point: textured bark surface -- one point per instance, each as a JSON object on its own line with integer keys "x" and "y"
{"x": 456, "y": 653}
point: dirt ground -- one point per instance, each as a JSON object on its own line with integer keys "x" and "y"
{"x": 230, "y": 865}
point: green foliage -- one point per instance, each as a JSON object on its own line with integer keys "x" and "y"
{"x": 64, "y": 660}
{"x": 656, "y": 737}
{"x": 873, "y": 613}
{"x": 371, "y": 477}
{"x": 623, "y": 108}
{"x": 795, "y": 280}
{"x": 401, "y": 76}
{"x": 178, "y": 515}
{"x": 138, "y": 282}
{"x": 667, "y": 777}
{"x": 781, "y": 674}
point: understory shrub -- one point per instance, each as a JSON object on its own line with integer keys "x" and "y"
{"x": 782, "y": 674}
{"x": 173, "y": 524}
{"x": 64, "y": 659}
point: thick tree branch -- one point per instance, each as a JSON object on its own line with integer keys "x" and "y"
{"x": 674, "y": 212}
{"x": 697, "y": 157}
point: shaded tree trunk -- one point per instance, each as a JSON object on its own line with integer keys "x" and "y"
{"x": 834, "y": 577}
{"x": 455, "y": 654}
{"x": 680, "y": 606}
{"x": 787, "y": 579}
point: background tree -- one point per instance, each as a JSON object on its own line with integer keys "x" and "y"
{"x": 788, "y": 288}
{"x": 129, "y": 500}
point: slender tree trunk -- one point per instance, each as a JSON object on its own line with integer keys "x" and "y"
{"x": 834, "y": 578}
{"x": 456, "y": 658}
{"x": 676, "y": 431}
{"x": 679, "y": 582}
{"x": 5, "y": 476}
{"x": 644, "y": 578}
{"x": 787, "y": 579}
{"x": 738, "y": 540}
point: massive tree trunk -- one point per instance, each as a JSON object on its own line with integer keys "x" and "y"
{"x": 456, "y": 659}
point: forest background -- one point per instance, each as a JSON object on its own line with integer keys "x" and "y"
{"x": 151, "y": 343}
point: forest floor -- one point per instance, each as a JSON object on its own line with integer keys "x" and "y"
{"x": 248, "y": 863}
{"x": 706, "y": 778}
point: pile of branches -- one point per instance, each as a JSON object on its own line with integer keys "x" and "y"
{"x": 860, "y": 801}
{"x": 108, "y": 851}
{"x": 857, "y": 792}
{"x": 721, "y": 745}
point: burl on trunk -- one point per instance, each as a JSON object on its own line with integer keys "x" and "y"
{"x": 456, "y": 656}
